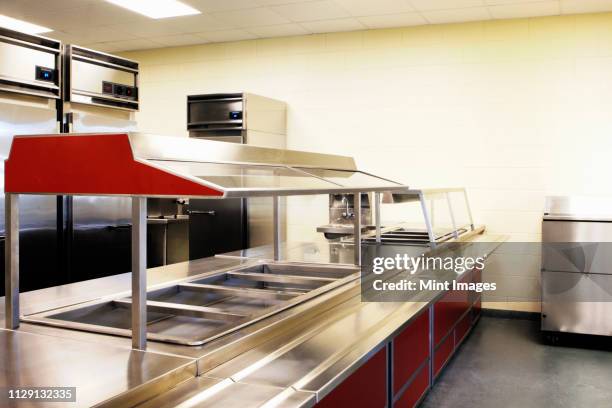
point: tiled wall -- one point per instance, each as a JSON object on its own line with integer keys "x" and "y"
{"x": 512, "y": 109}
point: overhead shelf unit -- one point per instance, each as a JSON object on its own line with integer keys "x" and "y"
{"x": 455, "y": 212}
{"x": 141, "y": 166}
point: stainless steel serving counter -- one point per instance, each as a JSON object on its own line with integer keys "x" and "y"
{"x": 293, "y": 358}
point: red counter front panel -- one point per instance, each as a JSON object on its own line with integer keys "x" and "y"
{"x": 454, "y": 315}
{"x": 412, "y": 395}
{"x": 410, "y": 350}
{"x": 366, "y": 387}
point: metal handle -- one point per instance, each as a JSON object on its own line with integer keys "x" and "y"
{"x": 197, "y": 212}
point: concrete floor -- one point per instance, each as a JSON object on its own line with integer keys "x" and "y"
{"x": 503, "y": 363}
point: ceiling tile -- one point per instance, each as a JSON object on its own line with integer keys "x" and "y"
{"x": 537, "y": 9}
{"x": 61, "y": 36}
{"x": 585, "y": 6}
{"x": 196, "y": 24}
{"x": 176, "y": 40}
{"x": 210, "y": 6}
{"x": 226, "y": 35}
{"x": 331, "y": 26}
{"x": 370, "y": 8}
{"x": 47, "y": 6}
{"x": 128, "y": 45}
{"x": 281, "y": 30}
{"x": 496, "y": 2}
{"x": 277, "y": 2}
{"x": 101, "y": 34}
{"x": 150, "y": 28}
{"x": 393, "y": 20}
{"x": 94, "y": 15}
{"x": 250, "y": 18}
{"x": 311, "y": 11}
{"x": 104, "y": 47}
{"x": 425, "y": 5}
{"x": 457, "y": 15}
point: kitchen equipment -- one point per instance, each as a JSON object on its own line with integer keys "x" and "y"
{"x": 222, "y": 226}
{"x": 30, "y": 81}
{"x": 239, "y": 118}
{"x": 157, "y": 166}
{"x": 101, "y": 95}
{"x": 432, "y": 225}
{"x": 341, "y": 215}
{"x": 167, "y": 232}
{"x": 577, "y": 266}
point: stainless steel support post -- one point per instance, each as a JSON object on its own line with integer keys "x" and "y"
{"x": 428, "y": 220}
{"x": 11, "y": 261}
{"x": 357, "y": 228}
{"x": 139, "y": 273}
{"x": 377, "y": 203}
{"x": 452, "y": 215}
{"x": 276, "y": 229}
{"x": 469, "y": 209}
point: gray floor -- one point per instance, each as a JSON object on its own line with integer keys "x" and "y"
{"x": 503, "y": 364}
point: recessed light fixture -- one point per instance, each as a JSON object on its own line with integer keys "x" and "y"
{"x": 157, "y": 8}
{"x": 23, "y": 26}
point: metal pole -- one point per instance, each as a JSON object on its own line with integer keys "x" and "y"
{"x": 139, "y": 273}
{"x": 357, "y": 228}
{"x": 469, "y": 209}
{"x": 452, "y": 215}
{"x": 276, "y": 229}
{"x": 428, "y": 220}
{"x": 11, "y": 261}
{"x": 377, "y": 216}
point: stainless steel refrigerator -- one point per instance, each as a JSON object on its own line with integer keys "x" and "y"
{"x": 30, "y": 84}
{"x": 100, "y": 95}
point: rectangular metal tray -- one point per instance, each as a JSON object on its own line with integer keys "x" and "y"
{"x": 202, "y": 308}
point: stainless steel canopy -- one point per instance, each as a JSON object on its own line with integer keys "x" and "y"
{"x": 141, "y": 165}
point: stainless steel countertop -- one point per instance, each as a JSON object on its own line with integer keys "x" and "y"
{"x": 102, "y": 374}
{"x": 295, "y": 357}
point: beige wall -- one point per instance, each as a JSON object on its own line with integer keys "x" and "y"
{"x": 512, "y": 109}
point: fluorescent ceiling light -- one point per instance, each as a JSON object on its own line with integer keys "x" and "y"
{"x": 157, "y": 8}
{"x": 23, "y": 26}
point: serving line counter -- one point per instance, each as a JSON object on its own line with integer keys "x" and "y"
{"x": 247, "y": 331}
{"x": 331, "y": 349}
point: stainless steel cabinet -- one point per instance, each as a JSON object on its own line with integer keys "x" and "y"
{"x": 577, "y": 266}
{"x": 29, "y": 88}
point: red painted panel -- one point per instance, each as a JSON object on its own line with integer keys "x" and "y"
{"x": 92, "y": 164}
{"x": 463, "y": 327}
{"x": 443, "y": 353}
{"x": 415, "y": 391}
{"x": 410, "y": 350}
{"x": 366, "y": 387}
{"x": 444, "y": 316}
{"x": 463, "y": 296}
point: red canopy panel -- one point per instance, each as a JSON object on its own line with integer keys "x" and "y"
{"x": 90, "y": 165}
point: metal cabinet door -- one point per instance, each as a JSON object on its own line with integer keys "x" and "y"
{"x": 39, "y": 246}
{"x": 577, "y": 302}
{"x": 216, "y": 227}
{"x": 577, "y": 246}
